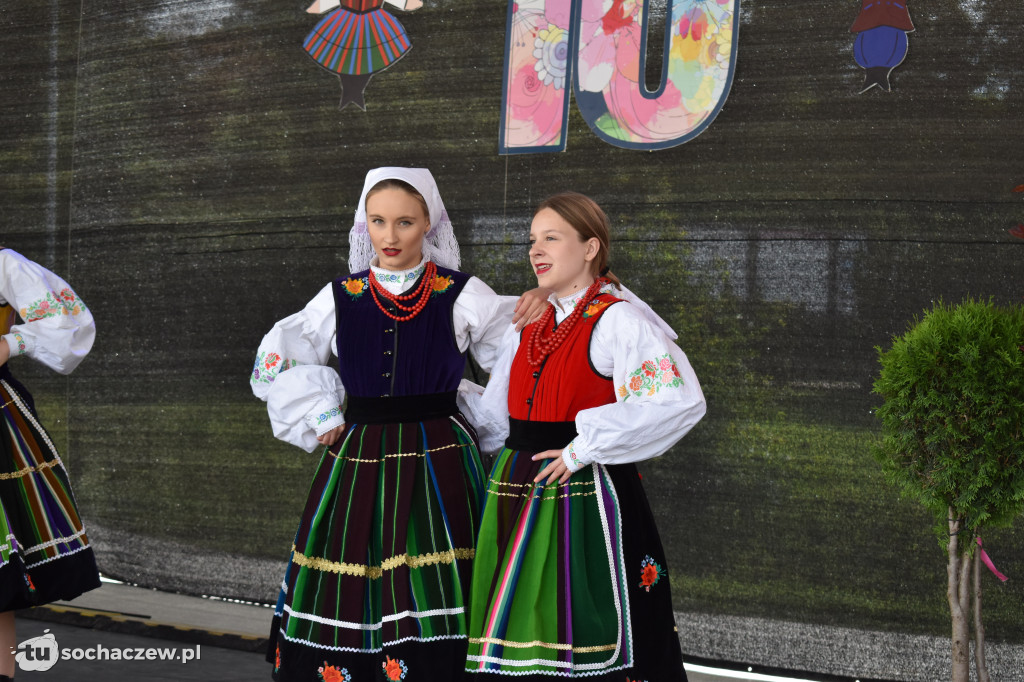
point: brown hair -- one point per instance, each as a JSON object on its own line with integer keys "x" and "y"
{"x": 589, "y": 221}
{"x": 395, "y": 183}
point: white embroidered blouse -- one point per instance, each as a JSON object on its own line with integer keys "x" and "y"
{"x": 57, "y": 328}
{"x": 294, "y": 370}
{"x": 658, "y": 397}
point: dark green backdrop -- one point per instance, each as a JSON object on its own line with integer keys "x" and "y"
{"x": 184, "y": 164}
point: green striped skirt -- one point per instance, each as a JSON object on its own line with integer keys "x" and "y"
{"x": 45, "y": 554}
{"x": 377, "y": 584}
{"x": 570, "y": 580}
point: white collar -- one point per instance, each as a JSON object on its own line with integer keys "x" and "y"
{"x": 396, "y": 280}
{"x": 566, "y": 304}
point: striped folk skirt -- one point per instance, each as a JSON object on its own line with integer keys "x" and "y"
{"x": 570, "y": 580}
{"x": 354, "y": 43}
{"x": 377, "y": 584}
{"x": 45, "y": 554}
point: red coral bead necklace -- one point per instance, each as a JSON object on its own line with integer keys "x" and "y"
{"x": 423, "y": 292}
{"x": 544, "y": 340}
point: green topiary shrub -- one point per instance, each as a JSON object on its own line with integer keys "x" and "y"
{"x": 953, "y": 438}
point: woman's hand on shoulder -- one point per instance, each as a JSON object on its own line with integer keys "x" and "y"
{"x": 332, "y": 436}
{"x": 530, "y": 307}
{"x": 5, "y": 352}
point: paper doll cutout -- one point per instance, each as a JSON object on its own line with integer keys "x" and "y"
{"x": 356, "y": 40}
{"x": 599, "y": 47}
{"x": 881, "y": 43}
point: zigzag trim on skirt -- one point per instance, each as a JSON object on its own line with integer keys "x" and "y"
{"x": 390, "y": 564}
{"x": 295, "y": 640}
{"x": 542, "y": 497}
{"x": 546, "y": 493}
{"x": 509, "y": 484}
{"x": 59, "y": 556}
{"x": 545, "y": 645}
{"x": 575, "y": 671}
{"x": 51, "y": 543}
{"x": 378, "y": 460}
{"x": 376, "y": 626}
{"x": 29, "y": 469}
{"x": 7, "y": 547}
{"x": 8, "y": 544}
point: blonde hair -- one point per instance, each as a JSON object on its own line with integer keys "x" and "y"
{"x": 589, "y": 221}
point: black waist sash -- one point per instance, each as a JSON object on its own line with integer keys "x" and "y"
{"x": 403, "y": 408}
{"x": 539, "y": 436}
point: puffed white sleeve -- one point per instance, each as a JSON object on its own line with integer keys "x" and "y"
{"x": 480, "y": 318}
{"x": 304, "y": 396}
{"x": 657, "y": 396}
{"x": 647, "y": 311}
{"x": 487, "y": 408}
{"x": 57, "y": 328}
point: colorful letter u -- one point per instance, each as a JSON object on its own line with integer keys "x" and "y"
{"x": 599, "y": 46}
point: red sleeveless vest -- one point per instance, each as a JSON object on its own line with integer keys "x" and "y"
{"x": 566, "y": 382}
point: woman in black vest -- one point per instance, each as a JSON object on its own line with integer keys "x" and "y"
{"x": 379, "y": 573}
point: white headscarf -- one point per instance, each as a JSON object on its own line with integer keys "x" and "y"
{"x": 439, "y": 245}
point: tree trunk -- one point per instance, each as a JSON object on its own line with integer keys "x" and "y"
{"x": 979, "y": 630}
{"x": 957, "y": 591}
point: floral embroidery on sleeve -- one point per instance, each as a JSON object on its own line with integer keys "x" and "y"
{"x": 441, "y": 284}
{"x": 64, "y": 302}
{"x": 332, "y": 673}
{"x": 268, "y": 366}
{"x": 356, "y": 287}
{"x": 21, "y": 348}
{"x": 651, "y": 377}
{"x": 650, "y": 572}
{"x": 577, "y": 465}
{"x": 394, "y": 668}
{"x": 329, "y": 414}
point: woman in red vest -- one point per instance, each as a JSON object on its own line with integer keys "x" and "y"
{"x": 570, "y": 576}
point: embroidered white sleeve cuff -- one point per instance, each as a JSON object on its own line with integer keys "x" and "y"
{"x": 326, "y": 417}
{"x": 573, "y": 459}
{"x": 17, "y": 343}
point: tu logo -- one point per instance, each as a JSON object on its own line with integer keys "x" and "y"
{"x": 39, "y": 653}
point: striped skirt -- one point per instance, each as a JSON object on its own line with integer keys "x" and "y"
{"x": 379, "y": 575}
{"x": 570, "y": 580}
{"x": 353, "y": 43}
{"x": 45, "y": 554}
